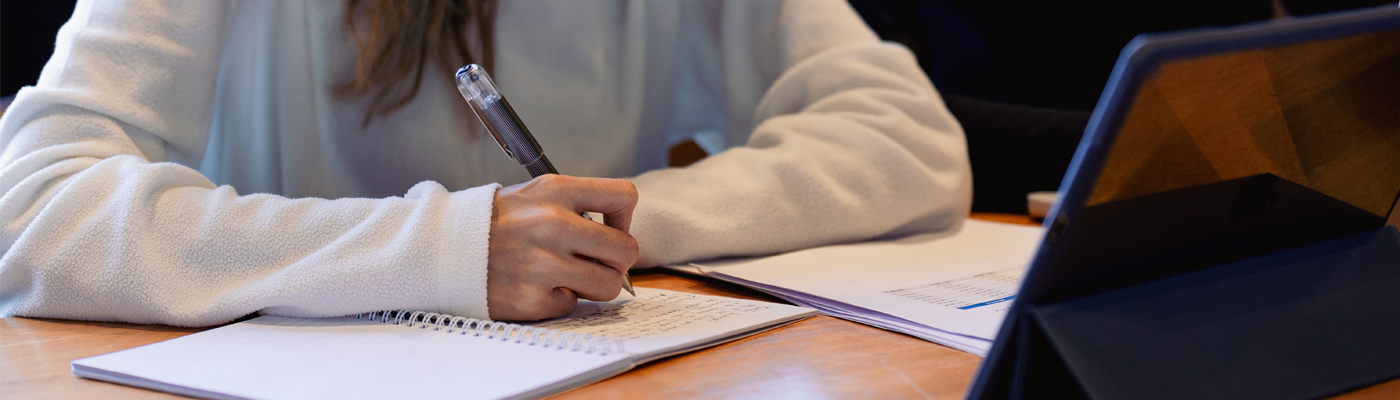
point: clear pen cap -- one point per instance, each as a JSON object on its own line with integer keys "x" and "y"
{"x": 476, "y": 85}
{"x": 500, "y": 119}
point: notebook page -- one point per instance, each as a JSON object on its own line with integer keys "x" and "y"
{"x": 660, "y": 322}
{"x": 285, "y": 358}
{"x": 961, "y": 283}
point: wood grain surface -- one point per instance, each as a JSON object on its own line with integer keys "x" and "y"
{"x": 822, "y": 357}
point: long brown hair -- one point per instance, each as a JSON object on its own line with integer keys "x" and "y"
{"x": 395, "y": 38}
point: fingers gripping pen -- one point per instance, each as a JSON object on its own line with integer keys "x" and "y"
{"x": 500, "y": 119}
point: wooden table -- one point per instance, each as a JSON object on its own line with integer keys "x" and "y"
{"x": 822, "y": 357}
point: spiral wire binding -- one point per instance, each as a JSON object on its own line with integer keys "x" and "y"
{"x": 498, "y": 330}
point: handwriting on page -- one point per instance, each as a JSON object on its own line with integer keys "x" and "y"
{"x": 657, "y": 314}
{"x": 967, "y": 293}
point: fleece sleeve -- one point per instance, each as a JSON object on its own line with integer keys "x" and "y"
{"x": 849, "y": 142}
{"x": 100, "y": 224}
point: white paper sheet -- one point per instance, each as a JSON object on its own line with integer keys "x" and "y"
{"x": 954, "y": 287}
{"x": 293, "y": 358}
{"x": 660, "y": 322}
{"x": 343, "y": 358}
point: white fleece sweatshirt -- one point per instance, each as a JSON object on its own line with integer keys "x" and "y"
{"x": 174, "y": 162}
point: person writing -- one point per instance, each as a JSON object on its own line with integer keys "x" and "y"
{"x": 188, "y": 163}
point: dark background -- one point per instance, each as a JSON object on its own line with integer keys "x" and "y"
{"x": 1021, "y": 76}
{"x": 27, "y": 29}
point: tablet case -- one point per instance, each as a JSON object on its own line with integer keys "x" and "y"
{"x": 1255, "y": 287}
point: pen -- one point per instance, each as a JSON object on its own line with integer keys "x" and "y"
{"x": 500, "y": 119}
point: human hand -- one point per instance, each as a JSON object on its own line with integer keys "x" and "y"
{"x": 542, "y": 252}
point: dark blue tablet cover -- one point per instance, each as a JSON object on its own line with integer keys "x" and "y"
{"x": 1212, "y": 149}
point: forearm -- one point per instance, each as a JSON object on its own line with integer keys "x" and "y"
{"x": 854, "y": 144}
{"x": 120, "y": 239}
{"x": 91, "y": 229}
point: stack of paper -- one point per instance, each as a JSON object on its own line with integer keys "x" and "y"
{"x": 949, "y": 288}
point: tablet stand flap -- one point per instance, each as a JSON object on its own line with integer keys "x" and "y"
{"x": 1302, "y": 323}
{"x": 1040, "y": 372}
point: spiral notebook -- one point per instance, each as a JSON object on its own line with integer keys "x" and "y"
{"x": 414, "y": 354}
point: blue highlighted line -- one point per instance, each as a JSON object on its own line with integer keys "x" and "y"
{"x": 987, "y": 303}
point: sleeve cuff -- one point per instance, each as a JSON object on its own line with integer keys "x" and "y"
{"x": 462, "y": 255}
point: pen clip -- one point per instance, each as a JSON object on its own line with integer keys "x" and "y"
{"x": 495, "y": 134}
{"x": 480, "y": 92}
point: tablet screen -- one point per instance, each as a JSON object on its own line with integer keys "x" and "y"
{"x": 1324, "y": 115}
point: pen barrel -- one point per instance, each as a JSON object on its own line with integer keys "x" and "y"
{"x": 539, "y": 167}
{"x": 514, "y": 138}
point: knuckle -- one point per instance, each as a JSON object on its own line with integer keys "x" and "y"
{"x": 548, "y": 180}
{"x": 543, "y": 263}
{"x": 628, "y": 191}
{"x": 632, "y": 250}
{"x": 629, "y": 249}
{"x": 561, "y": 215}
{"x": 545, "y": 225}
{"x": 605, "y": 286}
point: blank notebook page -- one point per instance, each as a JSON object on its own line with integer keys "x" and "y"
{"x": 277, "y": 357}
